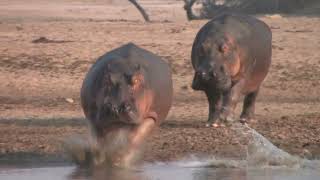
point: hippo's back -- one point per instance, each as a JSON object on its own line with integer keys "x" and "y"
{"x": 252, "y": 35}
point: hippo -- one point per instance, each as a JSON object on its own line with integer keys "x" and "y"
{"x": 127, "y": 87}
{"x": 231, "y": 56}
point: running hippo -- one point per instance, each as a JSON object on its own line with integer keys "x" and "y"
{"x": 231, "y": 56}
{"x": 127, "y": 87}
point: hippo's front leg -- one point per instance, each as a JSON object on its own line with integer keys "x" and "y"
{"x": 215, "y": 102}
{"x": 229, "y": 102}
{"x": 136, "y": 139}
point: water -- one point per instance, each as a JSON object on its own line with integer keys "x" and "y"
{"x": 260, "y": 151}
{"x": 159, "y": 171}
{"x": 264, "y": 161}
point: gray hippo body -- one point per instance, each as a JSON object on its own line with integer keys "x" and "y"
{"x": 127, "y": 87}
{"x": 231, "y": 56}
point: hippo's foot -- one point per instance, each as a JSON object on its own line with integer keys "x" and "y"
{"x": 246, "y": 119}
{"x": 212, "y": 124}
{"x": 215, "y": 124}
{"x": 226, "y": 118}
{"x": 222, "y": 121}
{"x": 124, "y": 162}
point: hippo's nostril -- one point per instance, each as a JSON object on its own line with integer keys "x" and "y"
{"x": 222, "y": 69}
{"x": 207, "y": 76}
{"x": 214, "y": 74}
{"x": 124, "y": 108}
{"x": 127, "y": 107}
{"x": 121, "y": 108}
{"x": 203, "y": 75}
{"x": 108, "y": 104}
{"x": 115, "y": 109}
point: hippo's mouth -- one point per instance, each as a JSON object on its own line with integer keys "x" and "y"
{"x": 214, "y": 83}
{"x": 129, "y": 115}
{"x": 119, "y": 114}
{"x": 224, "y": 83}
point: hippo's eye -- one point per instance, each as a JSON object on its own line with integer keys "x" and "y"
{"x": 135, "y": 81}
{"x": 223, "y": 48}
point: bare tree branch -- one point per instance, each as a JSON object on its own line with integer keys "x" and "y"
{"x": 188, "y": 7}
{"x": 141, "y": 10}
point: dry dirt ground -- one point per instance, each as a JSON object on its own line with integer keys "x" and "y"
{"x": 38, "y": 78}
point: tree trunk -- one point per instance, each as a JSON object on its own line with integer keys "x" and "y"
{"x": 188, "y": 7}
{"x": 141, "y": 10}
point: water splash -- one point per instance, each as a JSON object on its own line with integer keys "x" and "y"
{"x": 88, "y": 151}
{"x": 209, "y": 162}
{"x": 261, "y": 153}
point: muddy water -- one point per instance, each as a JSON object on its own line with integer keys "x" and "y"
{"x": 158, "y": 171}
{"x": 264, "y": 161}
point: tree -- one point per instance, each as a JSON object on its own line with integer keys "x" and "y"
{"x": 188, "y": 7}
{"x": 141, "y": 10}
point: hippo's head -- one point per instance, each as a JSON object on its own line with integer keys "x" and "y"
{"x": 216, "y": 62}
{"x": 121, "y": 85}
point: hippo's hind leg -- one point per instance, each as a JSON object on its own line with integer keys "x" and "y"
{"x": 248, "y": 107}
{"x": 215, "y": 102}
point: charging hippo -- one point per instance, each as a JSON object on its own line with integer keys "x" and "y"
{"x": 231, "y": 56}
{"x": 127, "y": 87}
